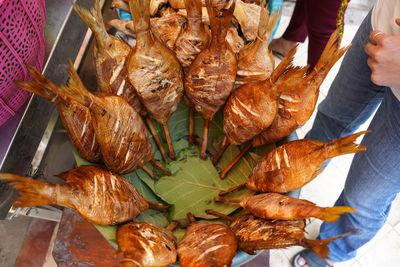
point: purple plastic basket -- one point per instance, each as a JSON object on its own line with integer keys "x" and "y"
{"x": 21, "y": 42}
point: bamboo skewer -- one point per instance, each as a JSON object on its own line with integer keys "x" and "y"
{"x": 225, "y": 144}
{"x": 172, "y": 154}
{"x": 205, "y": 137}
{"x": 223, "y": 174}
{"x": 156, "y": 138}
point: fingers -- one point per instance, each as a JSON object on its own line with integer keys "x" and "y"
{"x": 370, "y": 49}
{"x": 376, "y": 37}
{"x": 398, "y": 21}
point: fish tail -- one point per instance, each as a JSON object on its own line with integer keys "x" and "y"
{"x": 320, "y": 247}
{"x": 267, "y": 23}
{"x": 331, "y": 54}
{"x": 193, "y": 8}
{"x": 346, "y": 145}
{"x": 284, "y": 66}
{"x": 333, "y": 214}
{"x": 140, "y": 11}
{"x": 93, "y": 18}
{"x": 75, "y": 89}
{"x": 39, "y": 84}
{"x": 30, "y": 192}
{"x": 220, "y": 19}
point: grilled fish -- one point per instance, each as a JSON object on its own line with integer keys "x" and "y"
{"x": 294, "y": 164}
{"x": 299, "y": 94}
{"x": 119, "y": 129}
{"x": 154, "y": 71}
{"x": 145, "y": 244}
{"x": 255, "y": 233}
{"x": 255, "y": 60}
{"x": 110, "y": 54}
{"x": 75, "y": 117}
{"x": 98, "y": 195}
{"x": 206, "y": 244}
{"x": 193, "y": 38}
{"x": 211, "y": 76}
{"x": 281, "y": 207}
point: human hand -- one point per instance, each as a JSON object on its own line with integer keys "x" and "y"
{"x": 384, "y": 58}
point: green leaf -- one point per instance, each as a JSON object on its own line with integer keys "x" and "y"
{"x": 196, "y": 182}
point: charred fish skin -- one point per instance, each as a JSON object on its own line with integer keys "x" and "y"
{"x": 193, "y": 38}
{"x": 255, "y": 233}
{"x": 153, "y": 69}
{"x": 146, "y": 244}
{"x": 122, "y": 135}
{"x": 206, "y": 245}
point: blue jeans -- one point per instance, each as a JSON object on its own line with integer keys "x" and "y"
{"x": 373, "y": 180}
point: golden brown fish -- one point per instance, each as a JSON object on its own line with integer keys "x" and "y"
{"x": 250, "y": 109}
{"x": 193, "y": 38}
{"x": 207, "y": 244}
{"x": 119, "y": 129}
{"x": 299, "y": 94}
{"x": 254, "y": 233}
{"x": 248, "y": 17}
{"x": 281, "y": 207}
{"x": 294, "y": 164}
{"x": 179, "y": 4}
{"x": 255, "y": 60}
{"x": 211, "y": 76}
{"x": 75, "y": 117}
{"x": 154, "y": 71}
{"x": 110, "y": 54}
{"x": 98, "y": 195}
{"x": 145, "y": 244}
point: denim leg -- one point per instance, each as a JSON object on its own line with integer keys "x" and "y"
{"x": 352, "y": 97}
{"x": 371, "y": 185}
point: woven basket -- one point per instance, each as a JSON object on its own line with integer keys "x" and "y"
{"x": 21, "y": 42}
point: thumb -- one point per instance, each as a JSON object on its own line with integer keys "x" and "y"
{"x": 398, "y": 21}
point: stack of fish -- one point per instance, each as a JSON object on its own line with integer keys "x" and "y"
{"x": 193, "y": 49}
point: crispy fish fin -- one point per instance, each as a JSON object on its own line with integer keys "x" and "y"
{"x": 320, "y": 247}
{"x": 333, "y": 214}
{"x": 140, "y": 11}
{"x": 317, "y": 172}
{"x": 30, "y": 192}
{"x": 328, "y": 58}
{"x": 93, "y": 18}
{"x": 75, "y": 89}
{"x": 346, "y": 145}
{"x": 284, "y": 65}
{"x": 39, "y": 84}
{"x": 267, "y": 23}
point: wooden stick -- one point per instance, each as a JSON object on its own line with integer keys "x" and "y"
{"x": 221, "y": 199}
{"x": 191, "y": 217}
{"x": 191, "y": 126}
{"x": 231, "y": 190}
{"x": 158, "y": 206}
{"x": 156, "y": 138}
{"x": 223, "y": 174}
{"x": 172, "y": 154}
{"x": 152, "y": 174}
{"x": 172, "y": 225}
{"x": 159, "y": 166}
{"x": 225, "y": 144}
{"x": 203, "y": 154}
{"x": 219, "y": 214}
